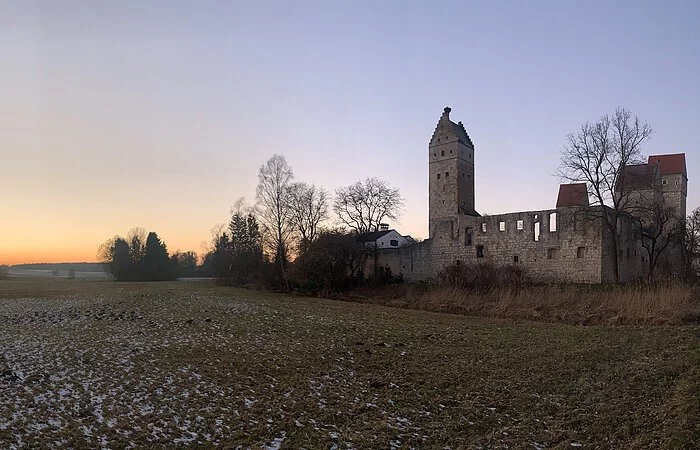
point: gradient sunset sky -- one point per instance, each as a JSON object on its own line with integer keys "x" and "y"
{"x": 154, "y": 114}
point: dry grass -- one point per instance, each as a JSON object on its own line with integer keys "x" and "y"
{"x": 669, "y": 303}
{"x": 89, "y": 364}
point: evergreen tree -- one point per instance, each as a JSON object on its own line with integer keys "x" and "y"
{"x": 244, "y": 249}
{"x": 156, "y": 262}
{"x": 120, "y": 265}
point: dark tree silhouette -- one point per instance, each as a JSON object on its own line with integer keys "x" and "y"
{"x": 363, "y": 206}
{"x": 157, "y": 265}
{"x": 308, "y": 207}
{"x": 597, "y": 155}
{"x": 272, "y": 194}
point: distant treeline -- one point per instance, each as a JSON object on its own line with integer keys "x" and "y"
{"x": 77, "y": 267}
{"x": 141, "y": 257}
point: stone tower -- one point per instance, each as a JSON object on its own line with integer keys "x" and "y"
{"x": 674, "y": 180}
{"x": 451, "y": 172}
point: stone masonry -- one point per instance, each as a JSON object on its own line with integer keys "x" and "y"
{"x": 567, "y": 244}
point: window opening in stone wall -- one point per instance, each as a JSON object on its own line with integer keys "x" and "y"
{"x": 450, "y": 151}
{"x": 551, "y": 253}
{"x": 394, "y": 243}
{"x": 438, "y": 176}
{"x": 629, "y": 253}
{"x": 483, "y": 227}
{"x": 516, "y": 259}
{"x": 468, "y": 236}
{"x": 664, "y": 182}
{"x": 581, "y": 252}
{"x": 447, "y": 174}
{"x": 520, "y": 225}
{"x": 442, "y": 153}
{"x": 452, "y": 229}
{"x": 458, "y": 262}
{"x": 537, "y": 231}
{"x": 552, "y": 222}
{"x": 434, "y": 154}
{"x": 479, "y": 251}
{"x": 501, "y": 226}
{"x": 676, "y": 183}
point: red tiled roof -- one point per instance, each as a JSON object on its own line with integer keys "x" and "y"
{"x": 669, "y": 164}
{"x": 574, "y": 194}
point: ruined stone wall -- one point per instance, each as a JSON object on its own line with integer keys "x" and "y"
{"x": 570, "y": 252}
{"x": 417, "y": 261}
{"x": 632, "y": 258}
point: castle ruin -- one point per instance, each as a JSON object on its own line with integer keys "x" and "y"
{"x": 568, "y": 243}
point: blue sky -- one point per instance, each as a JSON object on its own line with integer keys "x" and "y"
{"x": 159, "y": 114}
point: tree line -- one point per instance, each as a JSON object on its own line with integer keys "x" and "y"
{"x": 294, "y": 235}
{"x": 144, "y": 257}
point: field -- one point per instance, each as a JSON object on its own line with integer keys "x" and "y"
{"x": 99, "y": 363}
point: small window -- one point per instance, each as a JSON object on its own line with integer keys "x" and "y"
{"x": 519, "y": 225}
{"x": 458, "y": 262}
{"x": 479, "y": 251}
{"x": 394, "y": 243}
{"x": 552, "y": 222}
{"x": 516, "y": 259}
{"x": 434, "y": 154}
{"x": 581, "y": 252}
{"x": 551, "y": 253}
{"x": 467, "y": 237}
{"x": 629, "y": 253}
{"x": 442, "y": 153}
{"x": 664, "y": 182}
{"x": 537, "y": 232}
{"x": 447, "y": 174}
{"x": 676, "y": 183}
{"x": 450, "y": 151}
{"x": 438, "y": 176}
{"x": 501, "y": 226}
{"x": 483, "y": 227}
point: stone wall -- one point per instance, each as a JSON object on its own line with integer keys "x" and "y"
{"x": 568, "y": 246}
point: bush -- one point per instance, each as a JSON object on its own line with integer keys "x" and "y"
{"x": 482, "y": 278}
{"x": 4, "y": 272}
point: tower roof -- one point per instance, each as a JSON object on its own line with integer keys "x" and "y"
{"x": 448, "y": 130}
{"x": 670, "y": 164}
{"x": 574, "y": 194}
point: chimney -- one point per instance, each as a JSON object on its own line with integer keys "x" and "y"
{"x": 383, "y": 227}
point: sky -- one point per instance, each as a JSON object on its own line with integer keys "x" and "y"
{"x": 158, "y": 114}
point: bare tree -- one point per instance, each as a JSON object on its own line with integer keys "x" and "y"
{"x": 363, "y": 205}
{"x": 691, "y": 243}
{"x": 597, "y": 155}
{"x": 272, "y": 194}
{"x": 308, "y": 206}
{"x": 660, "y": 229}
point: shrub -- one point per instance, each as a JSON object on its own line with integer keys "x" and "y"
{"x": 482, "y": 278}
{"x": 4, "y": 272}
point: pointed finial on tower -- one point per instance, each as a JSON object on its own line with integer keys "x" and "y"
{"x": 447, "y": 111}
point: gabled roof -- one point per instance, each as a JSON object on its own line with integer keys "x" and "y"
{"x": 670, "y": 164}
{"x": 448, "y": 129}
{"x": 372, "y": 236}
{"x": 574, "y": 194}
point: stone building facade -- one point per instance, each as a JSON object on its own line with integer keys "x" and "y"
{"x": 567, "y": 243}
